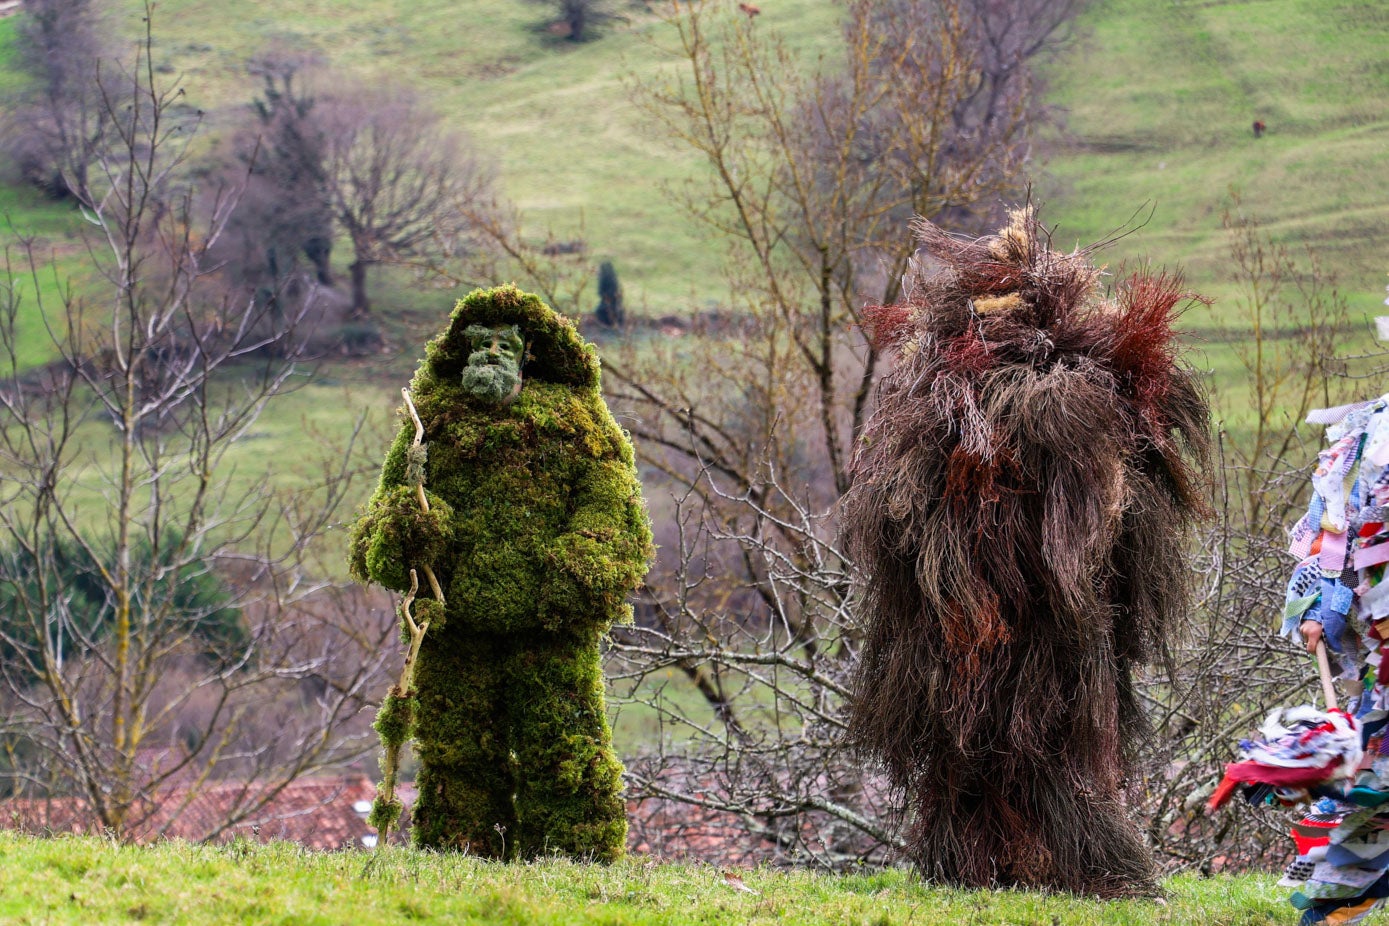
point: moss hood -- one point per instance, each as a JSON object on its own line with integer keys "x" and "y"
{"x": 555, "y": 351}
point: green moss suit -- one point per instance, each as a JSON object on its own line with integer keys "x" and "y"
{"x": 541, "y": 537}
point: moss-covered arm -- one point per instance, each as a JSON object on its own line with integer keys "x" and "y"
{"x": 602, "y": 556}
{"x": 395, "y": 534}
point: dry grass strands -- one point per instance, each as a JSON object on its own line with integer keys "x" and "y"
{"x": 1021, "y": 499}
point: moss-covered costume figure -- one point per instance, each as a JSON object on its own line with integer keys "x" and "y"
{"x": 1021, "y": 503}
{"x": 537, "y": 534}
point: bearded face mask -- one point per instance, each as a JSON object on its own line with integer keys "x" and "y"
{"x": 493, "y": 373}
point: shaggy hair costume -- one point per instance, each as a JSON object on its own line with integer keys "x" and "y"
{"x": 1022, "y": 496}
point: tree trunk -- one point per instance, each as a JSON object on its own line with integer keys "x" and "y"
{"x": 319, "y": 250}
{"x": 574, "y": 15}
{"x": 360, "y": 306}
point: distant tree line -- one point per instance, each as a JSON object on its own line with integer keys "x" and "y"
{"x": 317, "y": 157}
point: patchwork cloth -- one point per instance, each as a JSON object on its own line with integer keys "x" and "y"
{"x": 1302, "y": 748}
{"x": 1342, "y": 548}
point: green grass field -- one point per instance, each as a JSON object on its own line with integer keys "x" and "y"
{"x": 86, "y": 880}
{"x": 1160, "y": 99}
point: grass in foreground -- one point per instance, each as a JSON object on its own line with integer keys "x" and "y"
{"x": 86, "y": 880}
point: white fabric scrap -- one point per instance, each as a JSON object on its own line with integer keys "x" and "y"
{"x": 1375, "y": 602}
{"x": 1377, "y": 447}
{"x": 1327, "y": 873}
{"x": 1330, "y": 416}
{"x": 1290, "y": 740}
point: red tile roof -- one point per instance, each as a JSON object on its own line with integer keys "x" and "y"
{"x": 319, "y": 812}
{"x": 330, "y": 813}
{"x": 671, "y": 830}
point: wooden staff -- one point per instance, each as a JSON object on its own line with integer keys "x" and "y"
{"x": 398, "y": 708}
{"x": 1328, "y": 690}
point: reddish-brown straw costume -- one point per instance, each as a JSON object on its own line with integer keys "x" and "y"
{"x": 1022, "y": 499}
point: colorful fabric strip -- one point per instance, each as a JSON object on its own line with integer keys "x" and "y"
{"x": 1333, "y": 552}
{"x": 1365, "y": 557}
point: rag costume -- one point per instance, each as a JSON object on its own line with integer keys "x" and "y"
{"x": 1022, "y": 497}
{"x": 1342, "y": 546}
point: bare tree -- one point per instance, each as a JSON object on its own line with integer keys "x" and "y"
{"x": 761, "y": 753}
{"x": 394, "y": 175}
{"x": 497, "y": 245}
{"x": 1011, "y": 42}
{"x": 64, "y": 116}
{"x": 812, "y": 183}
{"x": 1012, "y": 38}
{"x": 284, "y": 214}
{"x": 812, "y": 180}
{"x": 1292, "y": 317}
{"x": 277, "y": 246}
{"x": 121, "y": 492}
{"x": 1289, "y": 325}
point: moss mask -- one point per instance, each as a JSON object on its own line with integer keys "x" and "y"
{"x": 493, "y": 373}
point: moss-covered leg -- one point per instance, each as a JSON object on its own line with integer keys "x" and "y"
{"x": 466, "y": 778}
{"x": 569, "y": 796}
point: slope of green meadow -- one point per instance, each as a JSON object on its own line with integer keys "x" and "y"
{"x": 1158, "y": 97}
{"x": 553, "y": 117}
{"x": 1160, "y": 100}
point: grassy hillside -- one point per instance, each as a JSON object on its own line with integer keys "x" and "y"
{"x": 71, "y": 880}
{"x": 1160, "y": 99}
{"x": 553, "y": 116}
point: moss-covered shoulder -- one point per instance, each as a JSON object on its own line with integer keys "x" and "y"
{"x": 544, "y": 412}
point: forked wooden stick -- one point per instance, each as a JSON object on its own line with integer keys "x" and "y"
{"x": 403, "y": 690}
{"x": 419, "y": 491}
